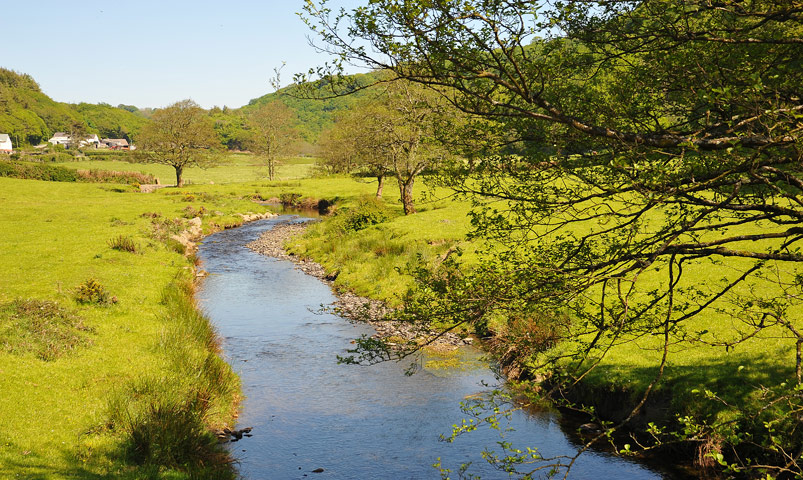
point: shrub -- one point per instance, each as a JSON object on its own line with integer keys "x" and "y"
{"x": 164, "y": 425}
{"x": 33, "y": 171}
{"x": 289, "y": 199}
{"x": 93, "y": 292}
{"x": 110, "y": 176}
{"x": 123, "y": 244}
{"x": 368, "y": 211}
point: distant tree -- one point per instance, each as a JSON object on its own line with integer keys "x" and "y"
{"x": 399, "y": 133}
{"x": 78, "y": 133}
{"x": 180, "y": 135}
{"x": 272, "y": 133}
{"x": 349, "y": 147}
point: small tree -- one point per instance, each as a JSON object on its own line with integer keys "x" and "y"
{"x": 351, "y": 146}
{"x": 272, "y": 133}
{"x": 396, "y": 134}
{"x": 180, "y": 135}
{"x": 78, "y": 135}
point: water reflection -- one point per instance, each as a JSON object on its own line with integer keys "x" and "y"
{"x": 308, "y": 412}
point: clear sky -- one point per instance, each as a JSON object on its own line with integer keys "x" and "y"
{"x": 151, "y": 53}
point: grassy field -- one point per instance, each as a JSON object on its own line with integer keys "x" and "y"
{"x": 60, "y": 407}
{"x": 72, "y": 381}
{"x": 233, "y": 168}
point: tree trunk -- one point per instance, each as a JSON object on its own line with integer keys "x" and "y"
{"x": 271, "y": 168}
{"x": 406, "y": 190}
{"x": 381, "y": 184}
{"x": 179, "y": 172}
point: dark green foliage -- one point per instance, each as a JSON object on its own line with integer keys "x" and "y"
{"x": 33, "y": 171}
{"x": 231, "y": 128}
{"x": 111, "y": 122}
{"x": 93, "y": 292}
{"x": 41, "y": 327}
{"x": 30, "y": 117}
{"x": 123, "y": 244}
{"x": 316, "y": 115}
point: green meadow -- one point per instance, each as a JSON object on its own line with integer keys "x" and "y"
{"x": 81, "y": 381}
{"x": 233, "y": 168}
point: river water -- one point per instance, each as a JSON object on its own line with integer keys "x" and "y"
{"x": 308, "y": 412}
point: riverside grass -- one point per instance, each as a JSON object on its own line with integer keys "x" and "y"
{"x": 55, "y": 416}
{"x": 118, "y": 390}
{"x": 365, "y": 261}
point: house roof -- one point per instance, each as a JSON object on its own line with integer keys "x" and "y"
{"x": 60, "y": 134}
{"x": 4, "y": 137}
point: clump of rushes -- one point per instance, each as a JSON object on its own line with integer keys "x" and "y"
{"x": 169, "y": 423}
{"x": 165, "y": 427}
{"x": 123, "y": 244}
{"x": 93, "y": 292}
{"x": 41, "y": 327}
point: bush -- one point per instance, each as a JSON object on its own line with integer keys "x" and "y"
{"x": 33, "y": 171}
{"x": 123, "y": 244}
{"x": 368, "y": 211}
{"x": 110, "y": 176}
{"x": 93, "y": 292}
{"x": 164, "y": 425}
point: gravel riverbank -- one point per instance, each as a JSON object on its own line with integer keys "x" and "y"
{"x": 348, "y": 305}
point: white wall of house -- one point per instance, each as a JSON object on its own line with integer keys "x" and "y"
{"x": 59, "y": 138}
{"x": 5, "y": 143}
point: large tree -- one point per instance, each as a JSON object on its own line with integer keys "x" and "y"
{"x": 653, "y": 184}
{"x": 273, "y": 132}
{"x": 180, "y": 135}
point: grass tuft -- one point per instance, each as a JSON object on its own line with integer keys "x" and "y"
{"x": 123, "y": 244}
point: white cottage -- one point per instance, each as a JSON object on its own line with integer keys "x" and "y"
{"x": 62, "y": 138}
{"x": 5, "y": 143}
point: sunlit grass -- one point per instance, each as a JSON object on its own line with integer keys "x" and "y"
{"x": 232, "y": 168}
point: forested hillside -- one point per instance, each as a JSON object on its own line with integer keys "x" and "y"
{"x": 316, "y": 115}
{"x": 30, "y": 117}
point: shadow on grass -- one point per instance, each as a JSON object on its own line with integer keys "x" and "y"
{"x": 113, "y": 465}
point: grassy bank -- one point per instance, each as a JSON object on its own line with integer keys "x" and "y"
{"x": 107, "y": 368}
{"x": 703, "y": 381}
{"x": 82, "y": 379}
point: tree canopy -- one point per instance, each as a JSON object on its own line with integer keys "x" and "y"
{"x": 180, "y": 135}
{"x": 651, "y": 176}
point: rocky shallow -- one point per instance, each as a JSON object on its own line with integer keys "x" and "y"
{"x": 348, "y": 305}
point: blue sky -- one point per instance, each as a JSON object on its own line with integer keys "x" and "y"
{"x": 153, "y": 53}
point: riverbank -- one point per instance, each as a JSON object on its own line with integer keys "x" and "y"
{"x": 350, "y": 305}
{"x": 107, "y": 367}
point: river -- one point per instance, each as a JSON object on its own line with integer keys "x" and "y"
{"x": 309, "y": 413}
